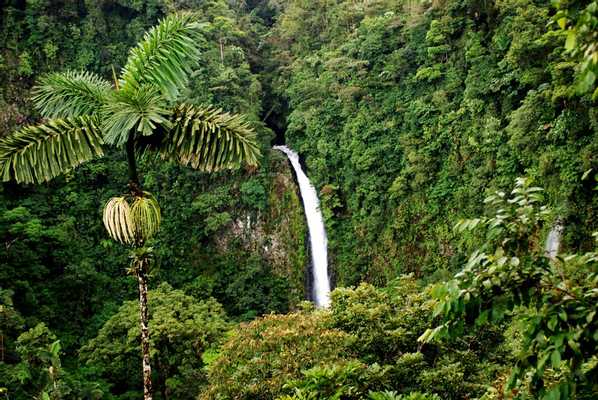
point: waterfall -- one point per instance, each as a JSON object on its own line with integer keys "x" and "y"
{"x": 317, "y": 233}
{"x": 553, "y": 241}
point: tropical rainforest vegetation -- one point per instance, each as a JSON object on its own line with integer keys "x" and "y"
{"x": 446, "y": 139}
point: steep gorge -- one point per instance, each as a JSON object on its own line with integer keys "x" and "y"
{"x": 406, "y": 116}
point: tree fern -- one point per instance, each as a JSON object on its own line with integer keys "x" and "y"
{"x": 165, "y": 57}
{"x": 70, "y": 94}
{"x": 209, "y": 139}
{"x": 37, "y": 154}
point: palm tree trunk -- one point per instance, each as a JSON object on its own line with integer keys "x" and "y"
{"x": 134, "y": 185}
{"x": 142, "y": 271}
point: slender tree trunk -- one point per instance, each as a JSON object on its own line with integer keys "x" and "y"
{"x": 142, "y": 271}
{"x": 162, "y": 380}
{"x": 134, "y": 185}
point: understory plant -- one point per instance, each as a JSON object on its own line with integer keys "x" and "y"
{"x": 364, "y": 345}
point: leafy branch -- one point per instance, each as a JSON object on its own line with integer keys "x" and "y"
{"x": 510, "y": 275}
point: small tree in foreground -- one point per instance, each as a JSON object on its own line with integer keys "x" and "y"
{"x": 557, "y": 300}
{"x": 140, "y": 114}
{"x": 182, "y": 327}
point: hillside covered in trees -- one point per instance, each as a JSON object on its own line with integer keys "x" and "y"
{"x": 448, "y": 142}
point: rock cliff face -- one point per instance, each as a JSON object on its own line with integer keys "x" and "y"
{"x": 286, "y": 232}
{"x": 278, "y": 234}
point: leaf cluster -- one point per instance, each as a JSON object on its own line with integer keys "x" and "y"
{"x": 555, "y": 300}
{"x": 142, "y": 104}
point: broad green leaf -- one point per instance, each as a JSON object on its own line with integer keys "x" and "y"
{"x": 555, "y": 358}
{"x": 571, "y": 40}
{"x": 552, "y": 322}
{"x": 586, "y": 174}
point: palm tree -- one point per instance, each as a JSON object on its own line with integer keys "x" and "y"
{"x": 140, "y": 114}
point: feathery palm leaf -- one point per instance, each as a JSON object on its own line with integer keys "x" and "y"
{"x": 209, "y": 139}
{"x": 132, "y": 111}
{"x": 70, "y": 94}
{"x": 37, "y": 154}
{"x": 165, "y": 57}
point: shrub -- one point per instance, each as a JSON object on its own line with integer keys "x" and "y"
{"x": 265, "y": 354}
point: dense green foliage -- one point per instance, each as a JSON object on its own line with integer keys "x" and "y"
{"x": 554, "y": 300}
{"x": 182, "y": 329}
{"x": 579, "y": 20}
{"x": 57, "y": 263}
{"x": 516, "y": 324}
{"x": 366, "y": 342}
{"x": 408, "y": 114}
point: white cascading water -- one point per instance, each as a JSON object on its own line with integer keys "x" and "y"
{"x": 553, "y": 241}
{"x": 317, "y": 232}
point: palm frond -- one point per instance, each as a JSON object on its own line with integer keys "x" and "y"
{"x": 39, "y": 153}
{"x": 209, "y": 139}
{"x": 165, "y": 56}
{"x": 134, "y": 111}
{"x": 70, "y": 94}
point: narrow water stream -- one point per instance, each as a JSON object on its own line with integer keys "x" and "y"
{"x": 317, "y": 232}
{"x": 553, "y": 241}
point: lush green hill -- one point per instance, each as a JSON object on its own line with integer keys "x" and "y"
{"x": 408, "y": 114}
